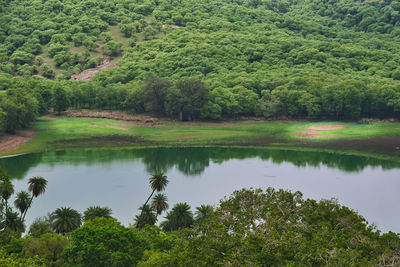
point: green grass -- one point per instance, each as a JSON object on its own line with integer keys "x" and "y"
{"x": 118, "y": 36}
{"x": 62, "y": 132}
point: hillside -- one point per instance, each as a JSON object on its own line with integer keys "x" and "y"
{"x": 299, "y": 59}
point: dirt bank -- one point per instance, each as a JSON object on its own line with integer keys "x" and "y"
{"x": 9, "y": 142}
{"x": 84, "y": 113}
{"x": 317, "y": 131}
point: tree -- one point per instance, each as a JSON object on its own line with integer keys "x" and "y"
{"x": 127, "y": 29}
{"x": 21, "y": 57}
{"x": 158, "y": 182}
{"x": 159, "y": 203}
{"x": 78, "y": 38}
{"x": 39, "y": 227}
{"x": 60, "y": 99}
{"x": 6, "y": 189}
{"x": 96, "y": 211}
{"x": 21, "y": 108}
{"x": 179, "y": 217}
{"x": 48, "y": 247}
{"x": 37, "y": 186}
{"x": 154, "y": 94}
{"x": 65, "y": 220}
{"x": 112, "y": 48}
{"x": 104, "y": 242}
{"x": 22, "y": 202}
{"x": 188, "y": 98}
{"x": 203, "y": 212}
{"x": 13, "y": 221}
{"x": 147, "y": 216}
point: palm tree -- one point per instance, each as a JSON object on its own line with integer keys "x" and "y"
{"x": 96, "y": 211}
{"x": 37, "y": 186}
{"x": 179, "y": 217}
{"x": 158, "y": 182}
{"x": 21, "y": 202}
{"x": 13, "y": 222}
{"x": 159, "y": 203}
{"x": 65, "y": 220}
{"x": 6, "y": 190}
{"x": 147, "y": 216}
{"x": 203, "y": 212}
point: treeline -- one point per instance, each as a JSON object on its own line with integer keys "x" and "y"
{"x": 191, "y": 98}
{"x": 251, "y": 227}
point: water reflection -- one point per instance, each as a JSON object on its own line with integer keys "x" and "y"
{"x": 190, "y": 161}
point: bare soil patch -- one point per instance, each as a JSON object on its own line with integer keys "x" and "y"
{"x": 317, "y": 131}
{"x": 88, "y": 74}
{"x": 113, "y": 127}
{"x": 12, "y": 141}
{"x": 326, "y": 127}
{"x": 84, "y": 113}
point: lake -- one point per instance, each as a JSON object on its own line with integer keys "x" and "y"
{"x": 119, "y": 178}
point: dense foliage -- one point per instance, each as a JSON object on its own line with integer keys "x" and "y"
{"x": 104, "y": 242}
{"x": 215, "y": 59}
{"x": 279, "y": 228}
{"x": 251, "y": 227}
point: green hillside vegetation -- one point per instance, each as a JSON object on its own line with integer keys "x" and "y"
{"x": 298, "y": 59}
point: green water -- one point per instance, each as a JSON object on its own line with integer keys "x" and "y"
{"x": 119, "y": 178}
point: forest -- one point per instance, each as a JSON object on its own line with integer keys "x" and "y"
{"x": 213, "y": 60}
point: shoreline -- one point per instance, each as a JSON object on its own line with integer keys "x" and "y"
{"x": 378, "y": 140}
{"x": 270, "y": 148}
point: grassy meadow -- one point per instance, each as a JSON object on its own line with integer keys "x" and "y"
{"x": 52, "y": 133}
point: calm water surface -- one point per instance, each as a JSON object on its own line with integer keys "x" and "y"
{"x": 119, "y": 178}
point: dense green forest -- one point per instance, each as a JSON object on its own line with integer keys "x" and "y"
{"x": 210, "y": 59}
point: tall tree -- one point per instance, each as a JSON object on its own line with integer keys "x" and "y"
{"x": 158, "y": 182}
{"x": 37, "y": 186}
